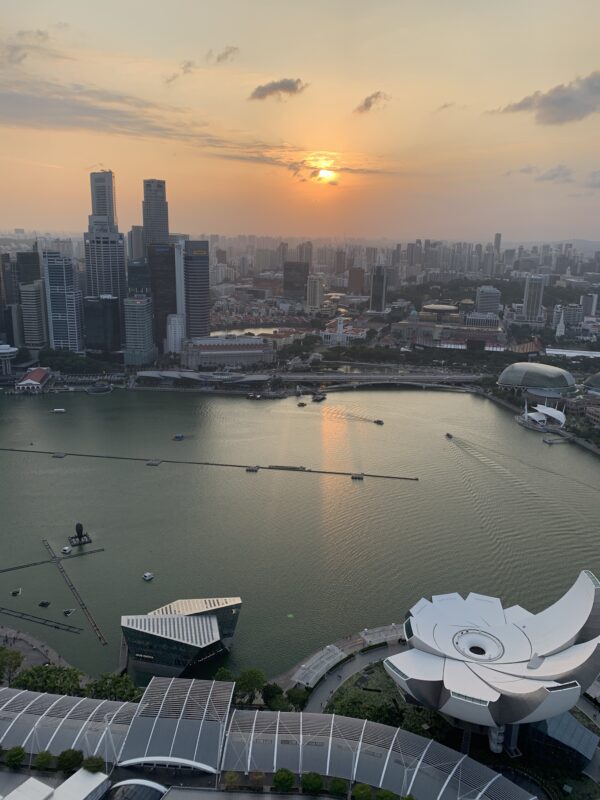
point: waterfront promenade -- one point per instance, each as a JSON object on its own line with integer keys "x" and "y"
{"x": 33, "y": 651}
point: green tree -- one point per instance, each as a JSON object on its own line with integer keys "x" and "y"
{"x": 298, "y": 697}
{"x": 270, "y": 692}
{"x": 10, "y": 663}
{"x": 249, "y": 682}
{"x": 51, "y": 679}
{"x": 231, "y": 780}
{"x": 338, "y": 786}
{"x": 15, "y": 757}
{"x": 312, "y": 783}
{"x": 283, "y": 780}
{"x": 23, "y": 355}
{"x": 385, "y": 794}
{"x": 43, "y": 760}
{"x": 114, "y": 687}
{"x": 224, "y": 674}
{"x": 70, "y": 760}
{"x": 362, "y": 792}
{"x": 93, "y": 763}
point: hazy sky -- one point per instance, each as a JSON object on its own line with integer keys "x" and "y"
{"x": 399, "y": 118}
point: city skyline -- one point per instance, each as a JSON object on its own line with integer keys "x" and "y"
{"x": 395, "y": 121}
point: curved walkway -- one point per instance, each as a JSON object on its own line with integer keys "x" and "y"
{"x": 33, "y": 651}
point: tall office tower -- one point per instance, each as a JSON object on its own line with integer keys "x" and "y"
{"x": 101, "y": 316}
{"x": 163, "y": 286}
{"x": 196, "y": 288}
{"x": 138, "y": 276}
{"x": 13, "y": 325}
{"x": 155, "y": 213}
{"x": 102, "y": 185}
{"x": 104, "y": 245}
{"x": 305, "y": 253}
{"x": 497, "y": 243}
{"x": 339, "y": 262}
{"x": 221, "y": 256}
{"x": 356, "y": 280}
{"x": 33, "y": 314}
{"x": 282, "y": 253}
{"x": 397, "y": 256}
{"x": 175, "y": 333}
{"x": 534, "y": 295}
{"x": 378, "y": 287}
{"x": 28, "y": 266}
{"x": 139, "y": 341}
{"x": 63, "y": 301}
{"x": 314, "y": 293}
{"x": 10, "y": 285}
{"x": 589, "y": 303}
{"x": 135, "y": 243}
{"x": 295, "y": 276}
{"x": 487, "y": 300}
{"x": 411, "y": 254}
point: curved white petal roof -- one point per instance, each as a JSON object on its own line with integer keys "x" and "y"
{"x": 476, "y": 661}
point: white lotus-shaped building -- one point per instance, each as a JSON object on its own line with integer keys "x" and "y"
{"x": 477, "y": 662}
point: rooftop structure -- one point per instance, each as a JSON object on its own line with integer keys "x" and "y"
{"x": 34, "y": 381}
{"x": 189, "y": 723}
{"x": 7, "y": 353}
{"x": 177, "y": 637}
{"x": 592, "y": 384}
{"x": 539, "y": 379}
{"x": 479, "y": 663}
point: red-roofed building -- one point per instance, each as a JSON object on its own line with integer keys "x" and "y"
{"x": 34, "y": 381}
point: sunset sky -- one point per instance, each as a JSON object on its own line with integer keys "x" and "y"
{"x": 397, "y": 118}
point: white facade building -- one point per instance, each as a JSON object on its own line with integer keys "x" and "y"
{"x": 64, "y": 302}
{"x": 175, "y": 332}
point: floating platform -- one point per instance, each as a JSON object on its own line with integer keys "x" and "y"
{"x": 154, "y": 462}
{"x": 75, "y": 540}
{"x": 58, "y": 455}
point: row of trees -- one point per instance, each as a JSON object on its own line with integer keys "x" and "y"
{"x": 312, "y": 783}
{"x": 66, "y": 680}
{"x": 68, "y": 761}
{"x": 251, "y": 684}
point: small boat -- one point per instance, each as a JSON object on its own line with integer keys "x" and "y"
{"x": 319, "y": 397}
{"x": 358, "y": 476}
{"x": 301, "y": 405}
{"x": 178, "y": 437}
{"x": 58, "y": 411}
{"x": 66, "y": 549}
{"x": 252, "y": 468}
{"x": 148, "y": 576}
{"x": 44, "y": 603}
{"x": 449, "y": 436}
{"x": 100, "y": 388}
{"x": 68, "y": 611}
{"x": 378, "y": 421}
{"x": 16, "y": 592}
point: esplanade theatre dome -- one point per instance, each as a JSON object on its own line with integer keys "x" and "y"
{"x": 540, "y": 379}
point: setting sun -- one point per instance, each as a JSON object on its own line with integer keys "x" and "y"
{"x": 326, "y": 174}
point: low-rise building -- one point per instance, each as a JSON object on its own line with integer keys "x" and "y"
{"x": 34, "y": 381}
{"x": 232, "y": 351}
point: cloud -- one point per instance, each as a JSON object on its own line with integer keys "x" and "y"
{"x": 563, "y": 103}
{"x": 187, "y": 67}
{"x": 593, "y": 179}
{"x": 372, "y": 101}
{"x": 444, "y": 107}
{"x": 558, "y": 174}
{"x": 227, "y": 54}
{"x": 528, "y": 169}
{"x": 289, "y": 86}
{"x": 26, "y": 43}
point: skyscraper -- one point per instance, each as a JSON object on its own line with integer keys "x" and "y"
{"x": 305, "y": 253}
{"x": 104, "y": 245}
{"x": 340, "y": 262}
{"x": 534, "y": 295}
{"x": 163, "y": 286}
{"x": 139, "y": 344}
{"x": 135, "y": 243}
{"x": 28, "y": 266}
{"x": 378, "y": 287}
{"x": 101, "y": 323}
{"x": 295, "y": 276}
{"x": 155, "y": 213}
{"x": 33, "y": 314}
{"x": 356, "y": 280}
{"x": 196, "y": 288}
{"x": 64, "y": 302}
{"x": 497, "y": 243}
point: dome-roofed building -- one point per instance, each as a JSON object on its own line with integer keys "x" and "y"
{"x": 592, "y": 384}
{"x": 539, "y": 379}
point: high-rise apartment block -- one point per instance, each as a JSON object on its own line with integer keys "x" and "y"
{"x": 532, "y": 301}
{"x": 378, "y": 289}
{"x": 155, "y": 213}
{"x": 487, "y": 300}
{"x": 314, "y": 293}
